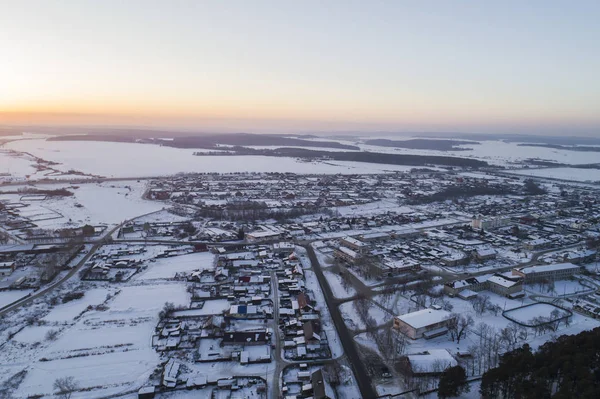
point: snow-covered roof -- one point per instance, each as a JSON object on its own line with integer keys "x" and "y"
{"x": 354, "y": 241}
{"x": 467, "y": 293}
{"x": 348, "y": 252}
{"x": 374, "y": 236}
{"x": 548, "y": 268}
{"x": 486, "y": 252}
{"x": 502, "y": 281}
{"x": 433, "y": 360}
{"x": 424, "y": 318}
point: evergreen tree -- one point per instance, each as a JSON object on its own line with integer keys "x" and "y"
{"x": 453, "y": 382}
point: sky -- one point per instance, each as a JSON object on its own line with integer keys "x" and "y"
{"x": 349, "y": 65}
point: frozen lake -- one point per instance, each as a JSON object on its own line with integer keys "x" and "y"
{"x": 139, "y": 160}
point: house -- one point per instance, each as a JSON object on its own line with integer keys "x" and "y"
{"x": 556, "y": 271}
{"x": 311, "y": 331}
{"x": 283, "y": 247}
{"x": 483, "y": 254}
{"x": 455, "y": 258}
{"x": 242, "y": 311}
{"x": 146, "y": 392}
{"x": 505, "y": 285}
{"x": 6, "y": 268}
{"x": 476, "y": 284}
{"x": 317, "y": 388}
{"x": 432, "y": 362}
{"x": 245, "y": 338}
{"x": 538, "y": 243}
{"x": 170, "y": 374}
{"x": 422, "y": 323}
{"x": 303, "y": 302}
{"x": 320, "y": 388}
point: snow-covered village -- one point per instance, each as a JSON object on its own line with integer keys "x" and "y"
{"x": 284, "y": 285}
{"x": 208, "y": 199}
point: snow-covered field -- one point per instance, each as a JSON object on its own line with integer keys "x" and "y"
{"x": 107, "y": 350}
{"x": 68, "y": 311}
{"x": 573, "y": 174}
{"x": 91, "y": 203}
{"x": 559, "y": 288}
{"x": 526, "y": 314}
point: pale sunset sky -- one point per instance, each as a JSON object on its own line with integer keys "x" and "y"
{"x": 472, "y": 66}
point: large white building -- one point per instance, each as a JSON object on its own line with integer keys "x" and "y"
{"x": 422, "y": 323}
{"x": 480, "y": 223}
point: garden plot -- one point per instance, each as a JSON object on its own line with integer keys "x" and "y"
{"x": 123, "y": 369}
{"x": 68, "y": 311}
{"x": 10, "y": 296}
{"x": 527, "y": 314}
{"x": 32, "y": 334}
{"x": 213, "y": 307}
{"x": 107, "y": 350}
{"x": 338, "y": 288}
{"x": 167, "y": 267}
{"x": 92, "y": 334}
{"x": 150, "y": 299}
{"x": 97, "y": 203}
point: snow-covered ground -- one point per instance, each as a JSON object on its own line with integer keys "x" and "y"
{"x": 574, "y": 174}
{"x": 373, "y": 208}
{"x": 354, "y": 321}
{"x": 340, "y": 290}
{"x": 167, "y": 267}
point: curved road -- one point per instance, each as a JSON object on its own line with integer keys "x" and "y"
{"x": 96, "y": 244}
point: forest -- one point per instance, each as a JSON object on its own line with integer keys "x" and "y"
{"x": 357, "y": 156}
{"x": 423, "y": 144}
{"x": 568, "y": 367}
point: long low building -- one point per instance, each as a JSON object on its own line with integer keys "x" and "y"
{"x": 418, "y": 324}
{"x": 501, "y": 284}
{"x": 556, "y": 271}
{"x": 346, "y": 254}
{"x": 354, "y": 244}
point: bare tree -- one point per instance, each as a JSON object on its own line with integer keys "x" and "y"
{"x": 480, "y": 304}
{"x": 334, "y": 373}
{"x": 458, "y": 325}
{"x": 51, "y": 335}
{"x": 65, "y": 386}
{"x": 510, "y": 336}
